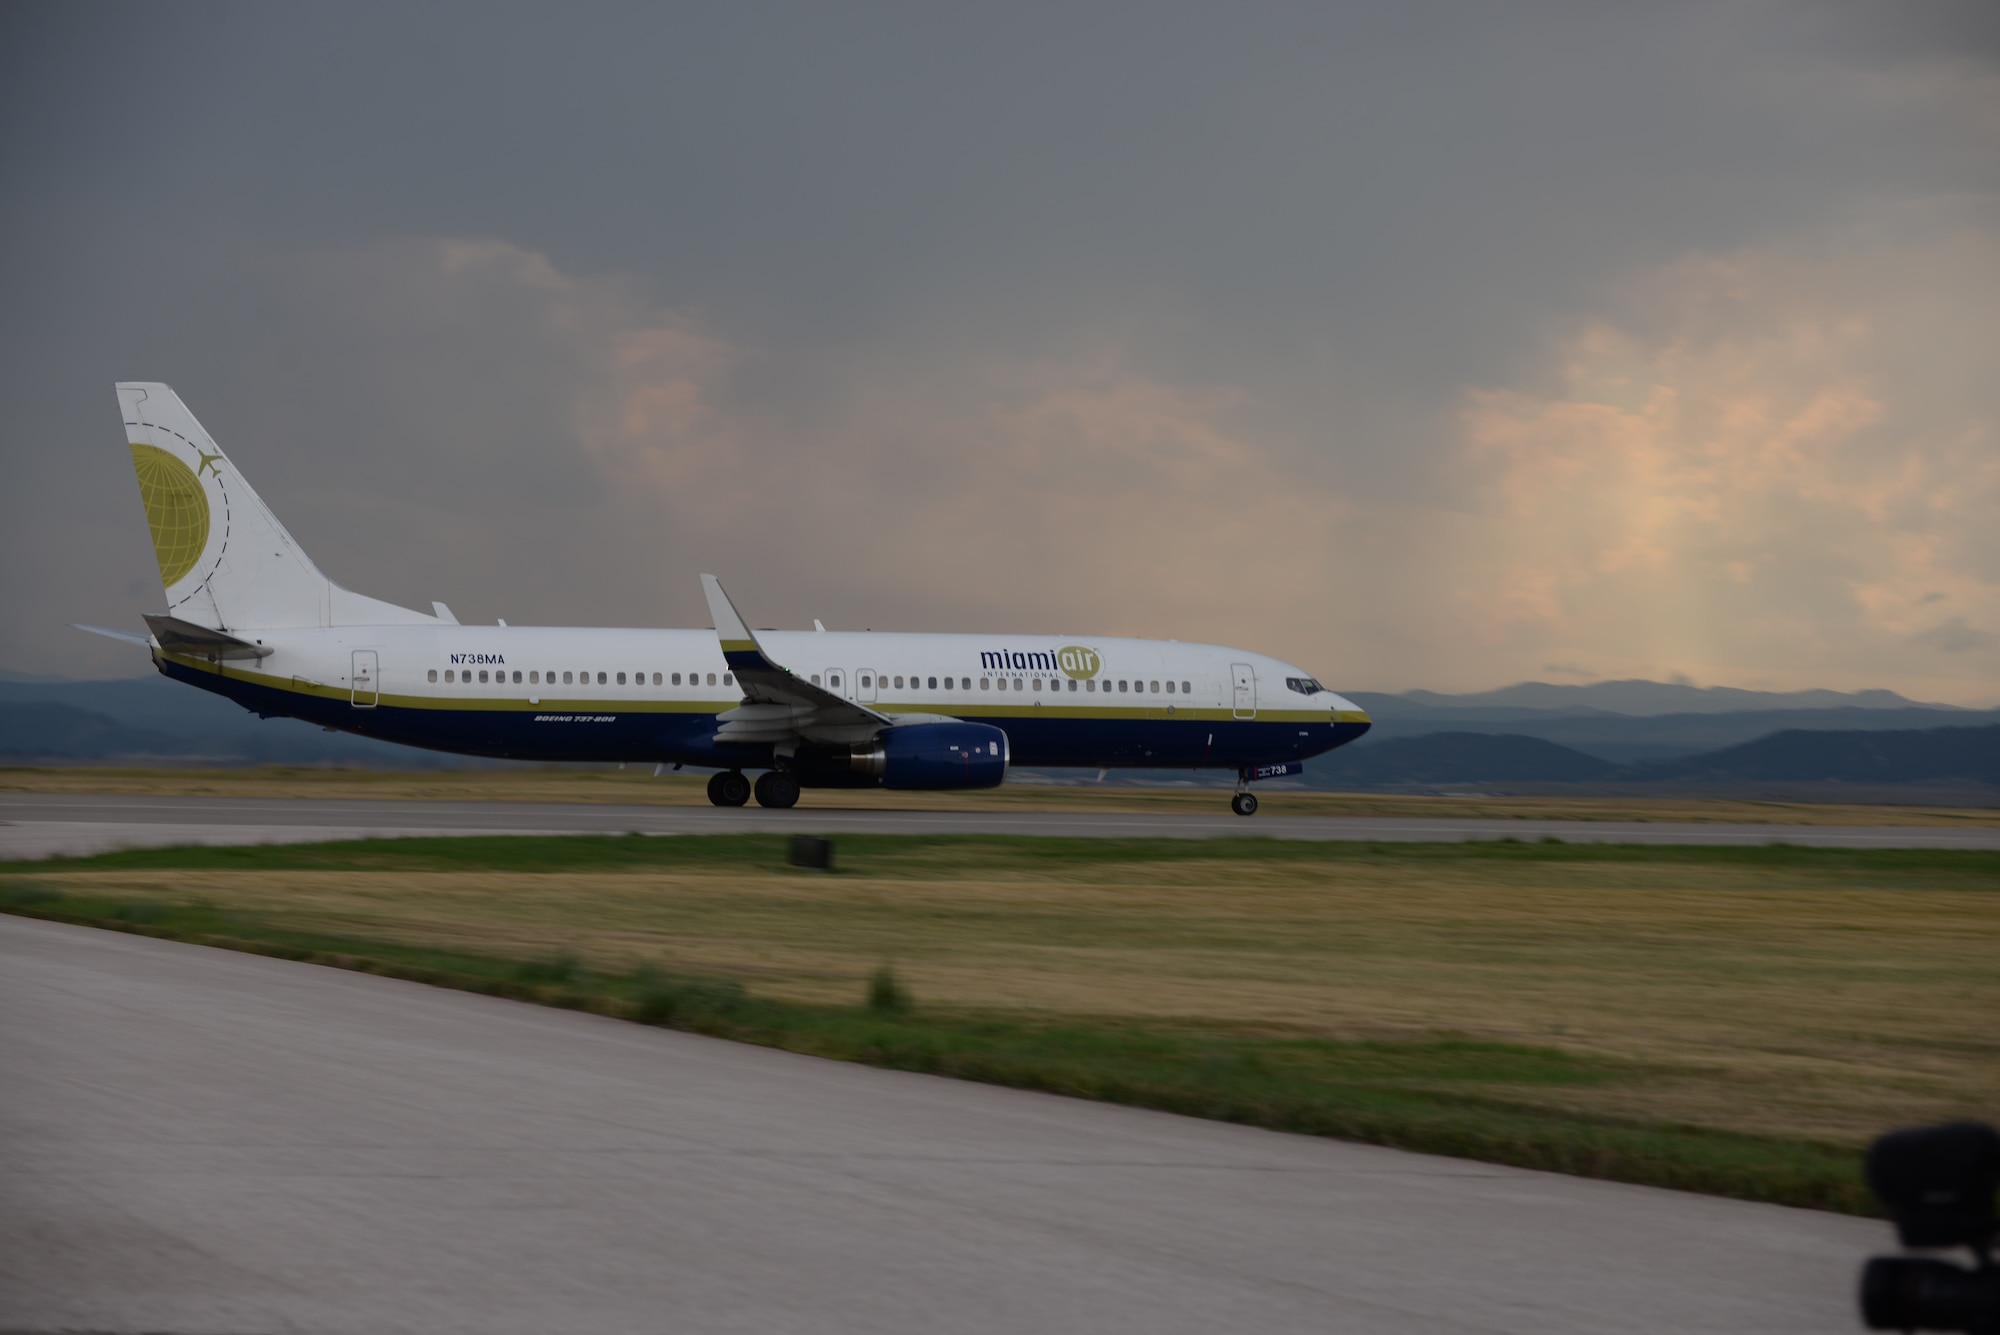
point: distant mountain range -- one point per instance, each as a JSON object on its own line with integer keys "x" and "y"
{"x": 152, "y": 720}
{"x": 1655, "y": 697}
{"x": 1796, "y": 756}
{"x": 1420, "y": 739}
{"x": 1634, "y": 738}
{"x": 1964, "y": 755}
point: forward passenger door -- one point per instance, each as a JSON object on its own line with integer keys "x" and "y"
{"x": 1244, "y": 679}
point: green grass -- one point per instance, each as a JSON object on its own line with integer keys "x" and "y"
{"x": 1446, "y": 1095}
{"x": 922, "y": 856}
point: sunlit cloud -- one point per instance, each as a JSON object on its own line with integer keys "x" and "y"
{"x": 1782, "y": 464}
{"x": 1774, "y": 468}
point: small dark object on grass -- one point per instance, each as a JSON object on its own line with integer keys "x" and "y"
{"x": 812, "y": 852}
{"x": 886, "y": 993}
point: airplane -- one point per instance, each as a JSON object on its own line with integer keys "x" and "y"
{"x": 250, "y": 617}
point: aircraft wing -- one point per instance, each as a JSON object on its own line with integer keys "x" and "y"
{"x": 778, "y": 703}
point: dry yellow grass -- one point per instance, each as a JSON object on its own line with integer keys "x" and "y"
{"x": 1789, "y": 999}
{"x": 638, "y": 786}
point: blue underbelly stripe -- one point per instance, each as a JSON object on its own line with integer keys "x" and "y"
{"x": 604, "y": 732}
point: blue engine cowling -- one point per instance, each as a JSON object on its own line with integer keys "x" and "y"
{"x": 935, "y": 755}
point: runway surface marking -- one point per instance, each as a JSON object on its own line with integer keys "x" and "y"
{"x": 195, "y": 1140}
{"x": 31, "y": 821}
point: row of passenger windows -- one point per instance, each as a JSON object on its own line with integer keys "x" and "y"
{"x": 869, "y": 681}
{"x": 582, "y": 678}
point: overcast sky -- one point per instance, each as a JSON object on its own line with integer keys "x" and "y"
{"x": 1439, "y": 345}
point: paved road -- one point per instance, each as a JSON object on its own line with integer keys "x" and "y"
{"x": 37, "y": 824}
{"x": 199, "y": 1141}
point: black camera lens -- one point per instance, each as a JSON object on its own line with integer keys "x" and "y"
{"x": 1913, "y": 1293}
{"x": 1938, "y": 1182}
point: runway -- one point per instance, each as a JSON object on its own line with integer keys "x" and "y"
{"x": 196, "y": 1140}
{"x": 39, "y": 824}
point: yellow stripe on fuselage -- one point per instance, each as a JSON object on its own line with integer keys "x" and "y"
{"x": 1160, "y": 712}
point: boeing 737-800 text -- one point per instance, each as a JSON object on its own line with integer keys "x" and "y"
{"x": 249, "y": 616}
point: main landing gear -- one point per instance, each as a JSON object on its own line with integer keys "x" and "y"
{"x": 1243, "y": 802}
{"x": 775, "y": 788}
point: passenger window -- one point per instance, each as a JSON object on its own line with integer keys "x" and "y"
{"x": 728, "y": 680}
{"x": 1090, "y": 685}
{"x": 899, "y": 683}
{"x": 1038, "y": 683}
{"x": 986, "y": 683}
{"x": 1186, "y": 689}
{"x": 621, "y": 679}
{"x": 1121, "y": 686}
{"x": 534, "y": 678}
{"x": 517, "y": 679}
{"x": 677, "y": 679}
{"x": 815, "y": 678}
{"x": 482, "y": 676}
{"x": 601, "y": 681}
{"x": 1156, "y": 688}
{"x": 933, "y": 685}
{"x": 565, "y": 678}
{"x": 1170, "y": 688}
{"x": 711, "y": 679}
{"x": 835, "y": 681}
{"x": 434, "y": 674}
{"x": 1072, "y": 685}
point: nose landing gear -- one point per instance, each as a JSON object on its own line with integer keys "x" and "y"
{"x": 1243, "y": 802}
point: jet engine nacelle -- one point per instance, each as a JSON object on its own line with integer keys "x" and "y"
{"x": 935, "y": 755}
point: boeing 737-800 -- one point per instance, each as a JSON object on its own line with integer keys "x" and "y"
{"x": 249, "y": 616}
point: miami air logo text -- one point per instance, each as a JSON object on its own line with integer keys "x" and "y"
{"x": 1078, "y": 662}
{"x": 1071, "y": 660}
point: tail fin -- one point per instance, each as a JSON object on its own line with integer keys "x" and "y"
{"x": 225, "y": 560}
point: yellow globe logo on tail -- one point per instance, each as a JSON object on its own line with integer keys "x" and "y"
{"x": 176, "y": 510}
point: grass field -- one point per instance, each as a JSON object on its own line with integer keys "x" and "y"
{"x": 638, "y": 786}
{"x": 1736, "y": 1020}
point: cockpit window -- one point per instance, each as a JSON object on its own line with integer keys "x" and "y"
{"x": 1304, "y": 685}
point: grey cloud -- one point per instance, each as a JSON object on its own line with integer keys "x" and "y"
{"x": 1953, "y": 637}
{"x": 896, "y": 238}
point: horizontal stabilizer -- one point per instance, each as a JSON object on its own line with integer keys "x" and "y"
{"x": 129, "y": 636}
{"x": 185, "y": 637}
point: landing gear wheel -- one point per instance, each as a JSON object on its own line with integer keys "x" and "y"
{"x": 1244, "y": 804}
{"x": 775, "y": 788}
{"x": 728, "y": 789}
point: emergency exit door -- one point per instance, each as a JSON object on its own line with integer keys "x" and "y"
{"x": 364, "y": 692}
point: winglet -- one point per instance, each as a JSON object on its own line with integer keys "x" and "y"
{"x": 739, "y": 646}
